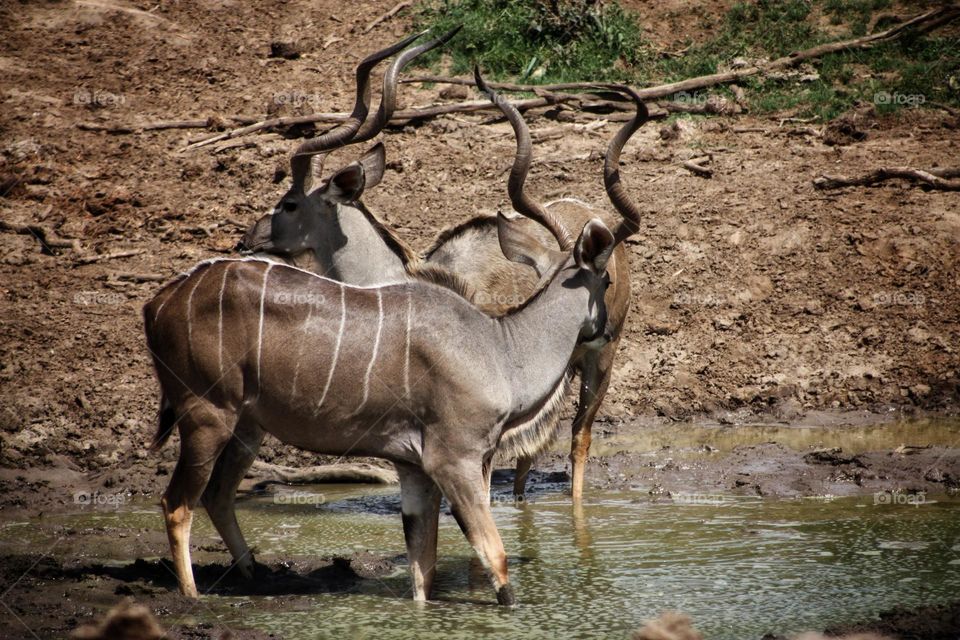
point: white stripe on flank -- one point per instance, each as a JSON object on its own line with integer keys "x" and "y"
{"x": 190, "y": 309}
{"x": 156, "y": 315}
{"x": 406, "y": 360}
{"x": 296, "y": 368}
{"x": 223, "y": 284}
{"x": 373, "y": 356}
{"x": 263, "y": 295}
{"x": 336, "y": 348}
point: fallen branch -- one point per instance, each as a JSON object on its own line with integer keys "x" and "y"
{"x": 952, "y": 111}
{"x": 697, "y": 169}
{"x": 156, "y": 126}
{"x": 389, "y": 14}
{"x": 939, "y": 179}
{"x": 509, "y": 86}
{"x": 398, "y": 117}
{"x": 47, "y": 238}
{"x": 327, "y": 473}
{"x": 923, "y": 23}
{"x": 109, "y": 256}
{"x": 139, "y": 277}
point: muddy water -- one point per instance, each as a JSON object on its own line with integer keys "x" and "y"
{"x": 739, "y": 567}
{"x": 799, "y": 437}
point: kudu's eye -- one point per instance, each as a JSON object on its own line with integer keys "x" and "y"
{"x": 289, "y": 205}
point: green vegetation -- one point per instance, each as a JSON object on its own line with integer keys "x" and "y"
{"x": 555, "y": 42}
{"x": 545, "y": 41}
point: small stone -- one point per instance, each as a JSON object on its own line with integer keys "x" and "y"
{"x": 455, "y": 92}
{"x": 920, "y": 390}
{"x": 285, "y": 50}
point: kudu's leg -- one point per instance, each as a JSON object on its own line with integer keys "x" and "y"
{"x": 219, "y": 498}
{"x": 203, "y": 434}
{"x": 464, "y": 485}
{"x": 524, "y": 464}
{"x": 420, "y": 507}
{"x": 595, "y": 372}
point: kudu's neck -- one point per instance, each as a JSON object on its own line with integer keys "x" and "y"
{"x": 355, "y": 252}
{"x": 539, "y": 340}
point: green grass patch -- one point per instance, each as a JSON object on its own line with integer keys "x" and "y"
{"x": 538, "y": 41}
{"x": 545, "y": 41}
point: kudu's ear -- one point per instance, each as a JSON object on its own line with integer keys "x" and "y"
{"x": 594, "y": 246}
{"x": 373, "y": 163}
{"x": 347, "y": 184}
{"x": 519, "y": 246}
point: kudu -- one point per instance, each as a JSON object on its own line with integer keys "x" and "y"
{"x": 418, "y": 376}
{"x": 472, "y": 252}
{"x": 328, "y": 230}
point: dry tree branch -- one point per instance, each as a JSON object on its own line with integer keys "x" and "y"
{"x": 206, "y": 123}
{"x": 938, "y": 179}
{"x": 697, "y": 169}
{"x": 399, "y": 116}
{"x": 389, "y": 14}
{"x": 109, "y": 256}
{"x": 47, "y": 238}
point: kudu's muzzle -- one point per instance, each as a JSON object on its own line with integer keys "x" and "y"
{"x": 258, "y": 237}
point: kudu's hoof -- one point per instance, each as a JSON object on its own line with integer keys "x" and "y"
{"x": 505, "y": 596}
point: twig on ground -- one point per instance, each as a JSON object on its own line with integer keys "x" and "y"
{"x": 805, "y": 131}
{"x": 47, "y": 238}
{"x": 83, "y": 260}
{"x": 389, "y": 14}
{"x": 509, "y": 86}
{"x": 952, "y": 111}
{"x": 939, "y": 179}
{"x": 139, "y": 277}
{"x": 206, "y": 123}
{"x": 700, "y": 170}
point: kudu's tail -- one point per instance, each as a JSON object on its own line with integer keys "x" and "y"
{"x": 166, "y": 423}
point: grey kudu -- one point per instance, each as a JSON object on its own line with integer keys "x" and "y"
{"x": 302, "y": 228}
{"x": 411, "y": 372}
